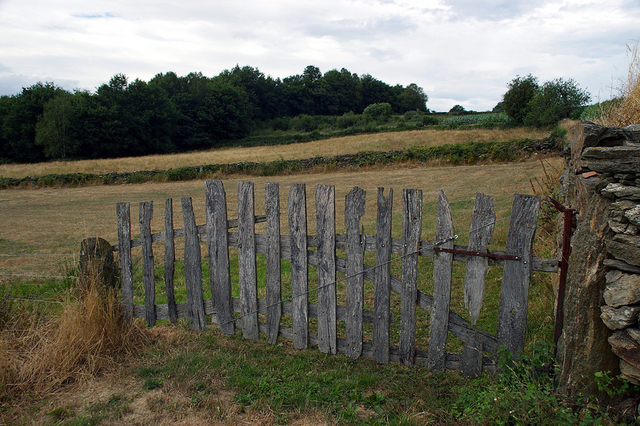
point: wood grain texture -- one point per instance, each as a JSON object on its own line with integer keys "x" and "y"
{"x": 169, "y": 260}
{"x": 514, "y": 295}
{"x": 411, "y": 231}
{"x": 442, "y": 273}
{"x": 123, "y": 212}
{"x": 146, "y": 214}
{"x": 218, "y": 248}
{"x": 382, "y": 280}
{"x": 326, "y": 264}
{"x": 353, "y": 212}
{"x": 247, "y": 261}
{"x": 192, "y": 267}
{"x": 481, "y": 233}
{"x": 274, "y": 272}
{"x": 297, "y": 206}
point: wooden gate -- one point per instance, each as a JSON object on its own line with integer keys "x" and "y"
{"x": 336, "y": 327}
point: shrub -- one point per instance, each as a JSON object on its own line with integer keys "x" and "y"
{"x": 379, "y": 112}
{"x": 281, "y": 123}
{"x": 182, "y": 173}
{"x": 304, "y": 122}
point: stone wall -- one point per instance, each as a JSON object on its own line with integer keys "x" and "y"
{"x": 602, "y": 304}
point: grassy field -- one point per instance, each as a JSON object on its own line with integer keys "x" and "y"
{"x": 327, "y": 148}
{"x": 178, "y": 376}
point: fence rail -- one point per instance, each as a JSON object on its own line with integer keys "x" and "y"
{"x": 479, "y": 345}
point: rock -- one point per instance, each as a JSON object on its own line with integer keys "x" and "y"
{"x": 616, "y": 159}
{"x": 624, "y": 291}
{"x": 612, "y": 275}
{"x": 622, "y": 205}
{"x": 617, "y": 227}
{"x": 97, "y": 266}
{"x": 617, "y": 190}
{"x": 629, "y": 372}
{"x": 625, "y": 347}
{"x": 619, "y": 318}
{"x": 634, "y": 334}
{"x": 627, "y": 239}
{"x": 631, "y": 229}
{"x": 622, "y": 266}
{"x": 633, "y": 215}
{"x": 625, "y": 252}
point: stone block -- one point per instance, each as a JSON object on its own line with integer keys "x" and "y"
{"x": 623, "y": 291}
{"x": 625, "y": 347}
{"x": 625, "y": 252}
{"x": 622, "y": 205}
{"x": 617, "y": 190}
{"x": 619, "y": 318}
{"x": 629, "y": 372}
{"x": 633, "y": 215}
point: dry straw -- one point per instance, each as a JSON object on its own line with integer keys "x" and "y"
{"x": 624, "y": 110}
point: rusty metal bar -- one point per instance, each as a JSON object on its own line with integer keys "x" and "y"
{"x": 477, "y": 253}
{"x": 564, "y": 265}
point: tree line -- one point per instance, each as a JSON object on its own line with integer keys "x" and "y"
{"x": 172, "y": 113}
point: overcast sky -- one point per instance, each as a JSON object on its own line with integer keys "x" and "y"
{"x": 459, "y": 51}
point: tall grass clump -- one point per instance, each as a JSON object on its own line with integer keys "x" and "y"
{"x": 624, "y": 110}
{"x": 88, "y": 336}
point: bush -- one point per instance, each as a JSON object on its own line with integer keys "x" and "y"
{"x": 304, "y": 122}
{"x": 380, "y": 112}
{"x": 182, "y": 173}
{"x": 281, "y": 123}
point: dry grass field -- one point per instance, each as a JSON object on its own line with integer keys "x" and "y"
{"x": 330, "y": 147}
{"x": 177, "y": 376}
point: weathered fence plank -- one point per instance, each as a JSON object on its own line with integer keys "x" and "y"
{"x": 297, "y": 206}
{"x": 514, "y": 296}
{"x": 382, "y": 297}
{"x": 218, "y": 248}
{"x": 192, "y": 267}
{"x": 274, "y": 269}
{"x": 471, "y": 358}
{"x": 247, "y": 261}
{"x": 411, "y": 231}
{"x": 326, "y": 264}
{"x": 169, "y": 261}
{"x": 353, "y": 212}
{"x": 442, "y": 272}
{"x": 482, "y": 224}
{"x": 146, "y": 214}
{"x": 123, "y": 213}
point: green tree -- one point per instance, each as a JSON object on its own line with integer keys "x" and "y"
{"x": 556, "y": 100}
{"x": 54, "y": 130}
{"x": 413, "y": 98}
{"x": 380, "y": 112}
{"x": 457, "y": 110}
{"x": 515, "y": 101}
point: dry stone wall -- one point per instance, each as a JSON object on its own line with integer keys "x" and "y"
{"x": 601, "y": 330}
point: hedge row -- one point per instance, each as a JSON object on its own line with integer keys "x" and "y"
{"x": 467, "y": 153}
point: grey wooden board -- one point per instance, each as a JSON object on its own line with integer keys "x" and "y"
{"x": 353, "y": 212}
{"x": 326, "y": 264}
{"x": 218, "y": 248}
{"x": 169, "y": 260}
{"x": 274, "y": 272}
{"x": 192, "y": 267}
{"x": 146, "y": 214}
{"x": 471, "y": 359}
{"x": 411, "y": 231}
{"x": 514, "y": 295}
{"x": 123, "y": 213}
{"x": 442, "y": 273}
{"x": 247, "y": 261}
{"x": 382, "y": 280}
{"x": 297, "y": 206}
{"x": 481, "y": 233}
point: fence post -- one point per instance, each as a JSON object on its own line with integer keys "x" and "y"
{"x": 97, "y": 267}
{"x": 247, "y": 261}
{"x": 297, "y": 203}
{"x": 274, "y": 272}
{"x": 382, "y": 302}
{"x": 353, "y": 212}
{"x": 123, "y": 212}
{"x": 326, "y": 254}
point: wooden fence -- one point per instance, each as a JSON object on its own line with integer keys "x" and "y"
{"x": 517, "y": 261}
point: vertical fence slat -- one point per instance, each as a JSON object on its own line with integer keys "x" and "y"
{"x": 326, "y": 233}
{"x": 382, "y": 301}
{"x": 514, "y": 296}
{"x": 353, "y": 212}
{"x": 411, "y": 232}
{"x": 297, "y": 206}
{"x": 442, "y": 272}
{"x": 274, "y": 269}
{"x": 471, "y": 358}
{"x": 247, "y": 261}
{"x": 123, "y": 213}
{"x": 193, "y": 268}
{"x": 169, "y": 260}
{"x": 146, "y": 214}
{"x": 482, "y": 224}
{"x": 218, "y": 248}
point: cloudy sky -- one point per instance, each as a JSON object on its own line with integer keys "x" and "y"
{"x": 460, "y": 51}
